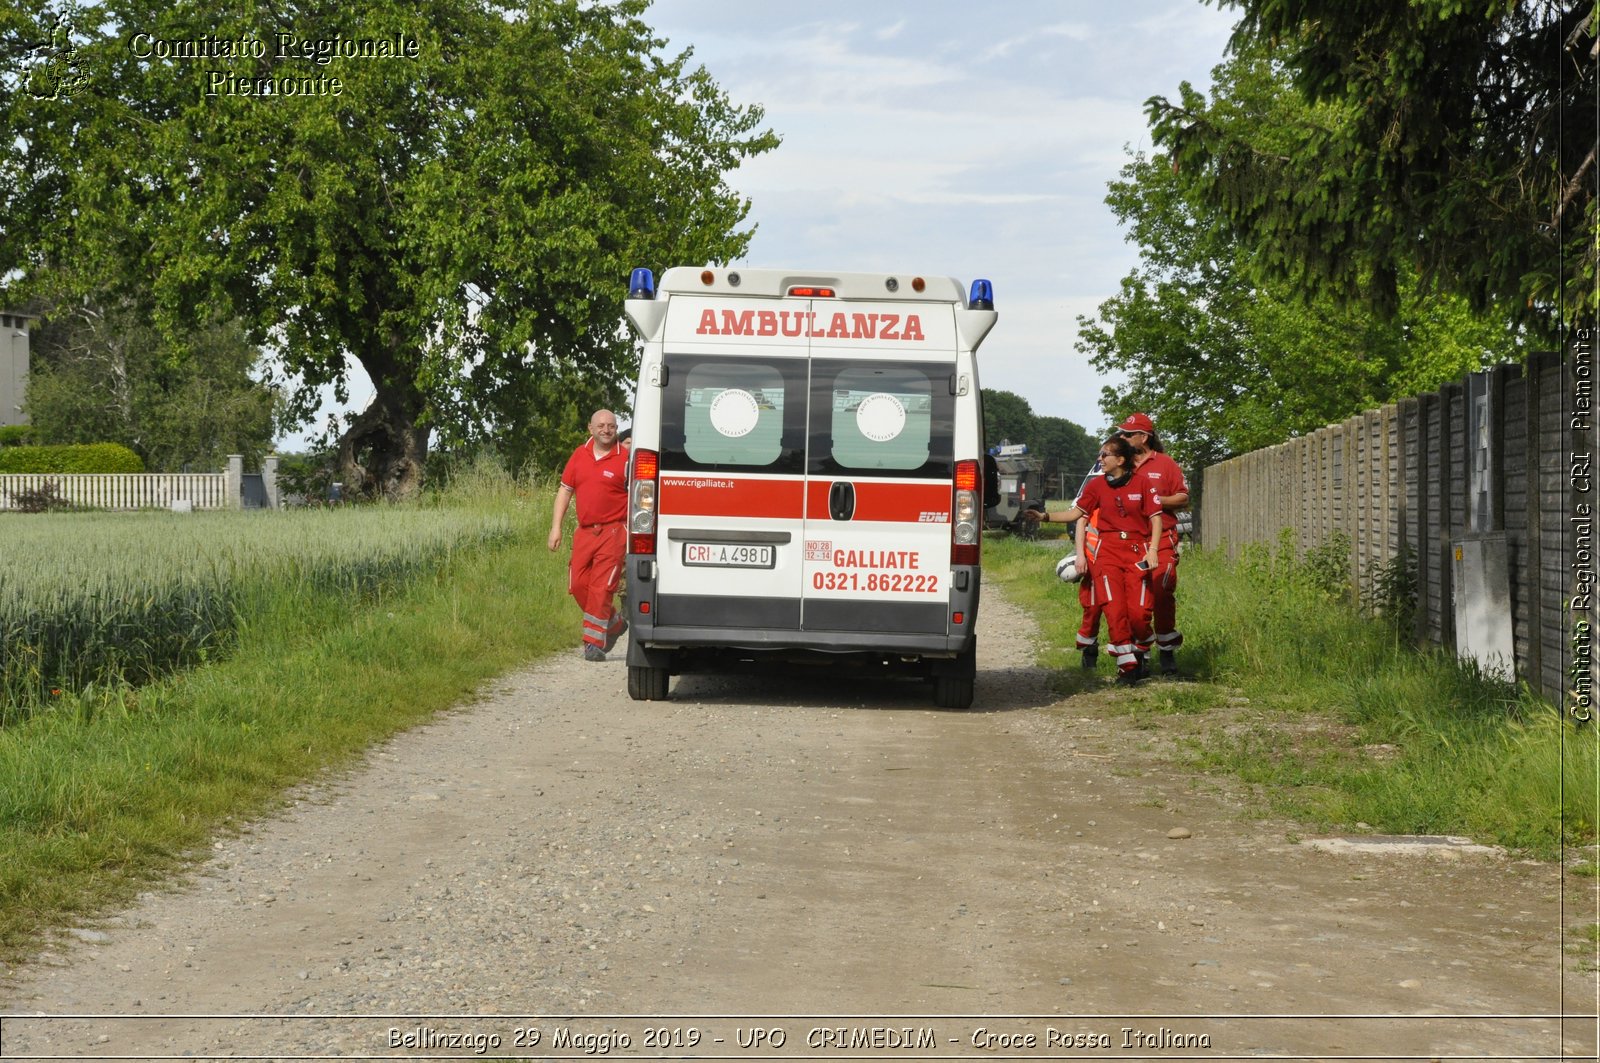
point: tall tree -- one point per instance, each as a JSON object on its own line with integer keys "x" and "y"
{"x": 1228, "y": 355}
{"x": 1007, "y": 417}
{"x": 1063, "y": 446}
{"x": 1453, "y": 141}
{"x": 1066, "y": 447}
{"x": 99, "y": 374}
{"x": 449, "y": 194}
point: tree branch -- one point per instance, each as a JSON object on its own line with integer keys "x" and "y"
{"x": 1571, "y": 191}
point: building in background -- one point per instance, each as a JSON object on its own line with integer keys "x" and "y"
{"x": 14, "y": 330}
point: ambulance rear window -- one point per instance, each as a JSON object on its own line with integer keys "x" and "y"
{"x": 729, "y": 413}
{"x": 887, "y": 419}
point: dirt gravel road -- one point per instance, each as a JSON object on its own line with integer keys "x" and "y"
{"x": 782, "y": 867}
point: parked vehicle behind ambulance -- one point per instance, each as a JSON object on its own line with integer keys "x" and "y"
{"x": 806, "y": 474}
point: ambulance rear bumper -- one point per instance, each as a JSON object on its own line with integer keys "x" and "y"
{"x": 783, "y": 626}
{"x": 844, "y": 642}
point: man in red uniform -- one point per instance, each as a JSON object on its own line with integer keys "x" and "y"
{"x": 1165, "y": 481}
{"x": 597, "y": 473}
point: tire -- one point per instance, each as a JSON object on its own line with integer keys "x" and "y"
{"x": 648, "y": 684}
{"x": 952, "y": 688}
{"x": 952, "y": 692}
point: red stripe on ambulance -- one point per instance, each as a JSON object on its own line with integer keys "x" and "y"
{"x": 894, "y": 502}
{"x": 723, "y": 496}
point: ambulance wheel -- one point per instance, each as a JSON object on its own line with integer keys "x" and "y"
{"x": 952, "y": 692}
{"x": 646, "y": 683}
{"x": 952, "y": 686}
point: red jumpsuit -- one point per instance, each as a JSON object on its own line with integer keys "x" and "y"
{"x": 1164, "y": 478}
{"x": 1089, "y": 630}
{"x": 1120, "y": 585}
{"x": 600, "y": 486}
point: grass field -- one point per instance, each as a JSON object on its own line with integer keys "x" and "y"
{"x": 106, "y": 789}
{"x": 1345, "y": 722}
{"x": 101, "y": 599}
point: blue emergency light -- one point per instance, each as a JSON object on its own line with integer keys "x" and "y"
{"x": 982, "y": 297}
{"x": 642, "y": 284}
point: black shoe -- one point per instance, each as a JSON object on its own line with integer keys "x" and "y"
{"x": 1090, "y": 653}
{"x": 591, "y": 652}
{"x": 1169, "y": 664}
{"x": 1129, "y": 677}
{"x": 613, "y": 636}
{"x": 1142, "y": 669}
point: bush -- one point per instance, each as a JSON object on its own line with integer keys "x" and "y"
{"x": 308, "y": 476}
{"x": 1327, "y": 567}
{"x": 46, "y": 498}
{"x": 16, "y": 435}
{"x": 70, "y": 458}
{"x": 1394, "y": 591}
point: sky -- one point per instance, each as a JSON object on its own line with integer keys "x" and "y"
{"x": 955, "y": 139}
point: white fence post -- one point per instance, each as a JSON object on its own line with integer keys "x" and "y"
{"x": 235, "y": 480}
{"x": 269, "y": 479}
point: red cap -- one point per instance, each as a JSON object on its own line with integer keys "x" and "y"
{"x": 1137, "y": 423}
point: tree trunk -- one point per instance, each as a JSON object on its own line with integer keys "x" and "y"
{"x": 383, "y": 452}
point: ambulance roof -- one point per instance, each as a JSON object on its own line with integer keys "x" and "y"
{"x": 777, "y": 283}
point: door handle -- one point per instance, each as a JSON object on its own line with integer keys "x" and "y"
{"x": 842, "y": 500}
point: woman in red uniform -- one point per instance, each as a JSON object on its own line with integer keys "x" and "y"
{"x": 1129, "y": 520}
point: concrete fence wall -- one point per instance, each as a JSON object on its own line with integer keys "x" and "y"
{"x": 1501, "y": 455}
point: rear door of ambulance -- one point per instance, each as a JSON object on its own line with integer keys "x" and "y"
{"x": 731, "y": 505}
{"x": 880, "y": 462}
{"x": 806, "y": 465}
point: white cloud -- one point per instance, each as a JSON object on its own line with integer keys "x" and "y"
{"x": 1006, "y": 48}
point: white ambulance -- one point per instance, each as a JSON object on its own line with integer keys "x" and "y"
{"x": 806, "y": 474}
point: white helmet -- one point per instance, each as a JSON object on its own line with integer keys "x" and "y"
{"x": 1067, "y": 569}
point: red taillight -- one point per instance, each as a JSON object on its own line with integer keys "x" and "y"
{"x": 812, "y": 293}
{"x": 958, "y": 619}
{"x": 642, "y": 503}
{"x": 967, "y": 529}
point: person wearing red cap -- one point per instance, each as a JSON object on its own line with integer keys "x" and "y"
{"x": 1164, "y": 481}
{"x": 1130, "y": 521}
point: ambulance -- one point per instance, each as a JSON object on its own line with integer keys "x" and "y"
{"x": 806, "y": 474}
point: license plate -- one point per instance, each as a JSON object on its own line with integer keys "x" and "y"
{"x": 729, "y": 555}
